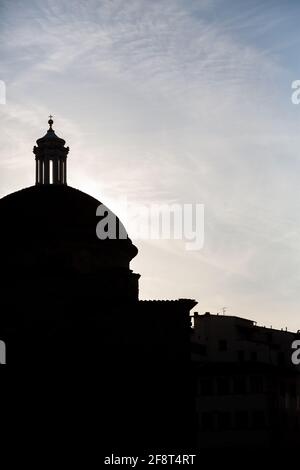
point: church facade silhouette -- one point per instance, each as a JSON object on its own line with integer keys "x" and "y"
{"x": 70, "y": 307}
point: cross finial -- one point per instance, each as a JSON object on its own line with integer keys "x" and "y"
{"x": 50, "y": 122}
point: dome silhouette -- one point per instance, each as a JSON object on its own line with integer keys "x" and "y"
{"x": 58, "y": 223}
{"x": 48, "y": 235}
{"x": 70, "y": 312}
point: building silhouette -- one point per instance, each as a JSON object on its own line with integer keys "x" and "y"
{"x": 247, "y": 388}
{"x": 70, "y": 310}
{"x": 119, "y": 373}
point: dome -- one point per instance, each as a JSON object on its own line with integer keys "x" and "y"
{"x": 48, "y": 237}
{"x": 55, "y": 225}
{"x": 50, "y": 138}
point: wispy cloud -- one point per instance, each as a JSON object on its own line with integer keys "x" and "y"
{"x": 172, "y": 101}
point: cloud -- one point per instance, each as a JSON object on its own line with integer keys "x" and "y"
{"x": 167, "y": 101}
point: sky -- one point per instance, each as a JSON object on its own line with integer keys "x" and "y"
{"x": 163, "y": 102}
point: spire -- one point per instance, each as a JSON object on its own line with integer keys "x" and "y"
{"x": 51, "y": 158}
{"x": 50, "y": 122}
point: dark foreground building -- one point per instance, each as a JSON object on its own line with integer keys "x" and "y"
{"x": 247, "y": 387}
{"x": 107, "y": 367}
{"x": 92, "y": 368}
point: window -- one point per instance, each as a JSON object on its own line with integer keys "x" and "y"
{"x": 280, "y": 358}
{"x": 293, "y": 390}
{"x": 223, "y": 386}
{"x": 207, "y": 421}
{"x": 241, "y": 356}
{"x": 282, "y": 389}
{"x": 222, "y": 345}
{"x": 256, "y": 384}
{"x": 253, "y": 356}
{"x": 241, "y": 419}
{"x": 258, "y": 419}
{"x": 206, "y": 387}
{"x": 51, "y": 180}
{"x": 295, "y": 423}
{"x": 223, "y": 419}
{"x": 199, "y": 349}
{"x": 239, "y": 385}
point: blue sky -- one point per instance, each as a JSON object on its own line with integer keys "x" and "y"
{"x": 171, "y": 101}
